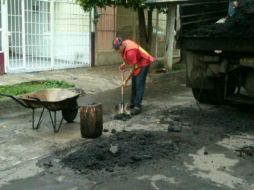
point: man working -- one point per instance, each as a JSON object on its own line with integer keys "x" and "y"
{"x": 139, "y": 60}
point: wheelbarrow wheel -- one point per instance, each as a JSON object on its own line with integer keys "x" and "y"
{"x": 70, "y": 114}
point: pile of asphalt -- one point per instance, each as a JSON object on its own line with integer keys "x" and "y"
{"x": 240, "y": 25}
{"x": 246, "y": 151}
{"x": 121, "y": 150}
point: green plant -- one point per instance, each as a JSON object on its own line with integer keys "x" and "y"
{"x": 28, "y": 87}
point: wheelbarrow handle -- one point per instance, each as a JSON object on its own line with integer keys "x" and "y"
{"x": 15, "y": 99}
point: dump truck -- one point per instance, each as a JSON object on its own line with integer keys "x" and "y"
{"x": 220, "y": 58}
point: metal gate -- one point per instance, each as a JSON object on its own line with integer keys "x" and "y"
{"x": 45, "y": 35}
{"x": 1, "y": 47}
{"x": 1, "y": 27}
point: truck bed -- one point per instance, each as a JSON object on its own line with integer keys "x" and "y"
{"x": 245, "y": 45}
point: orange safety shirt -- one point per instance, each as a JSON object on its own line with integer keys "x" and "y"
{"x": 135, "y": 55}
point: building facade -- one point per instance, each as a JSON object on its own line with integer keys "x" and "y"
{"x": 38, "y": 35}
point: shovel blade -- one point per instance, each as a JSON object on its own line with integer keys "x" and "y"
{"x": 122, "y": 108}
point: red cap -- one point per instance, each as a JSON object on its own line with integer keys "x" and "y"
{"x": 117, "y": 42}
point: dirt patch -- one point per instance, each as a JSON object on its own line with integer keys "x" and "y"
{"x": 239, "y": 25}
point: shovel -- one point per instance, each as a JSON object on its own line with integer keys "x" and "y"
{"x": 121, "y": 109}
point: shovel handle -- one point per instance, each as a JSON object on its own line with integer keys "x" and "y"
{"x": 122, "y": 88}
{"x": 123, "y": 75}
{"x": 122, "y": 81}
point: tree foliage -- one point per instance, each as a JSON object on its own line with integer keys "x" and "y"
{"x": 89, "y": 4}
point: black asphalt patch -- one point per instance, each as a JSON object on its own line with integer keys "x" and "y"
{"x": 121, "y": 150}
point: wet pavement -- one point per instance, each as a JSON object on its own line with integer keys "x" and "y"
{"x": 172, "y": 144}
{"x": 21, "y": 146}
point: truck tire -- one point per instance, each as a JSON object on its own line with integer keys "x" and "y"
{"x": 210, "y": 96}
{"x": 215, "y": 96}
{"x": 232, "y": 85}
{"x": 201, "y": 95}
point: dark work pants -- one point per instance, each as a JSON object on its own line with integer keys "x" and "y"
{"x": 138, "y": 87}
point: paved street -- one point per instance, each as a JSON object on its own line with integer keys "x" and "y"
{"x": 204, "y": 140}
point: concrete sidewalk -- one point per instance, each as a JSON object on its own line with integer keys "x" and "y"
{"x": 90, "y": 79}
